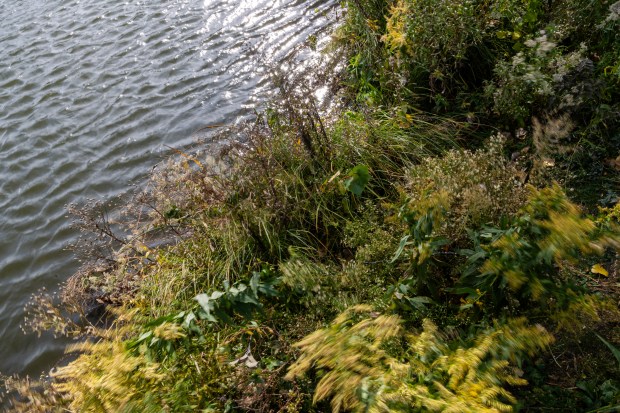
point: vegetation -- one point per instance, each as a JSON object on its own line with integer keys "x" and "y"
{"x": 444, "y": 240}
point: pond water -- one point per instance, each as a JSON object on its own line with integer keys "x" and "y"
{"x": 91, "y": 94}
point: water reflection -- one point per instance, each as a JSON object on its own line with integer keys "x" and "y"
{"x": 90, "y": 94}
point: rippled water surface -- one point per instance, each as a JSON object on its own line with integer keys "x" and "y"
{"x": 91, "y": 92}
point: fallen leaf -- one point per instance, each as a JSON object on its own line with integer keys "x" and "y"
{"x": 247, "y": 359}
{"x": 598, "y": 269}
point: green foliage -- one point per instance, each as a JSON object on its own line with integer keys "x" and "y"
{"x": 538, "y": 78}
{"x": 404, "y": 295}
{"x": 423, "y": 218}
{"x": 240, "y": 299}
{"x": 218, "y": 252}
{"x": 601, "y": 398}
{"x": 114, "y": 372}
{"x": 473, "y": 377}
{"x": 433, "y": 47}
{"x": 609, "y": 44}
{"x": 614, "y": 350}
{"x": 311, "y": 283}
{"x": 379, "y": 211}
{"x": 164, "y": 334}
{"x": 434, "y": 34}
{"x": 526, "y": 258}
{"x": 357, "y": 180}
{"x": 446, "y": 198}
{"x": 360, "y": 37}
{"x": 105, "y": 378}
{"x": 350, "y": 352}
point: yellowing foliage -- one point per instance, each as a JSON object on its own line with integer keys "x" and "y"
{"x": 362, "y": 375}
{"x": 351, "y": 352}
{"x": 105, "y": 378}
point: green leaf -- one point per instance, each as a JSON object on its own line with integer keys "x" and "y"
{"x": 419, "y": 302}
{"x": 144, "y": 336}
{"x": 159, "y": 321}
{"x": 215, "y": 295}
{"x": 404, "y": 241}
{"x": 189, "y": 319}
{"x": 267, "y": 288}
{"x": 614, "y": 350}
{"x": 254, "y": 282}
{"x": 173, "y": 212}
{"x": 247, "y": 298}
{"x": 207, "y": 305}
{"x": 357, "y": 180}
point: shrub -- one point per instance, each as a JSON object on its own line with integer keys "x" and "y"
{"x": 540, "y": 77}
{"x": 364, "y": 369}
{"x": 526, "y": 260}
{"x": 432, "y": 47}
{"x": 478, "y": 188}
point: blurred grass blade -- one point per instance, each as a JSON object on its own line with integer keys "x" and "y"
{"x": 613, "y": 348}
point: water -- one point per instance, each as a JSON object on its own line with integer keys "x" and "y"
{"x": 91, "y": 92}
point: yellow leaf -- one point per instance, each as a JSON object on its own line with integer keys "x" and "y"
{"x": 598, "y": 269}
{"x": 373, "y": 25}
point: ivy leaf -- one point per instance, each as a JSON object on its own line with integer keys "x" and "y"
{"x": 267, "y": 288}
{"x": 216, "y": 295}
{"x": 247, "y": 299}
{"x": 357, "y": 180}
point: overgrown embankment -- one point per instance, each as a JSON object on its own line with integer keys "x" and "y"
{"x": 445, "y": 240}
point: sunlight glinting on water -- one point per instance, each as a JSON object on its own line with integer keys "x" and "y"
{"x": 91, "y": 93}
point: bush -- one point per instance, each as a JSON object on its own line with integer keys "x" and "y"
{"x": 541, "y": 78}
{"x": 365, "y": 369}
{"x": 478, "y": 188}
{"x": 524, "y": 262}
